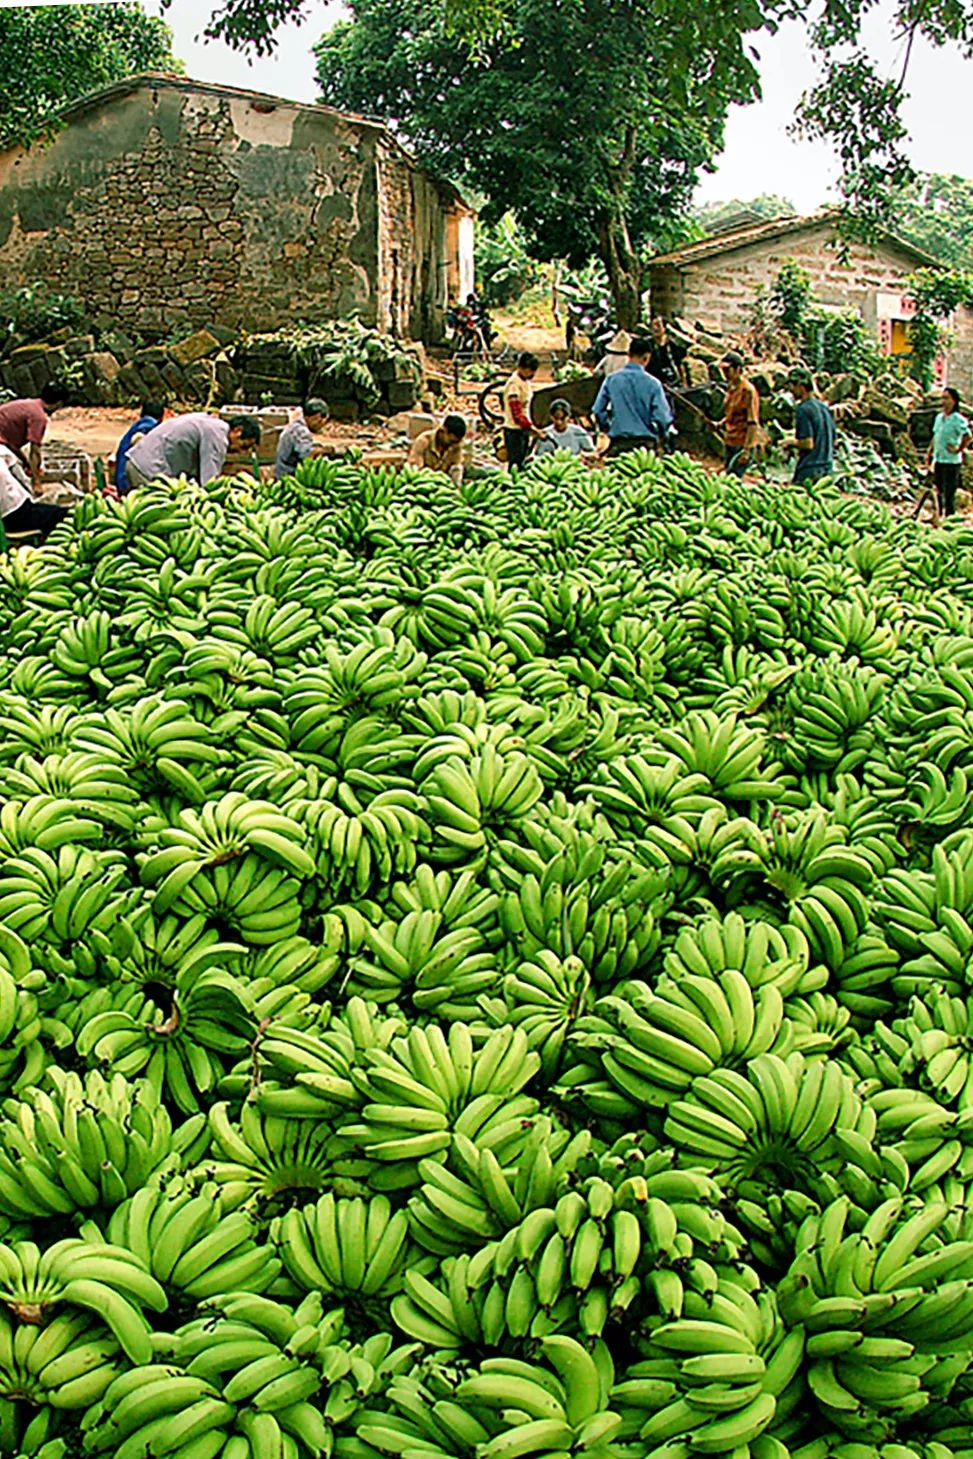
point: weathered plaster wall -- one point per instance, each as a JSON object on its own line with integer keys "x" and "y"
{"x": 418, "y": 229}
{"x": 173, "y": 206}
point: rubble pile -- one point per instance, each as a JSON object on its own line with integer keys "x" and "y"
{"x": 889, "y": 410}
{"x": 216, "y": 366}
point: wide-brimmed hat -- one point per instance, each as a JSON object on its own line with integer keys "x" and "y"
{"x": 619, "y": 345}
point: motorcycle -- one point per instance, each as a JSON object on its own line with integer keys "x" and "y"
{"x": 473, "y": 332}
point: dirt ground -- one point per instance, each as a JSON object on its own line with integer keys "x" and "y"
{"x": 96, "y": 432}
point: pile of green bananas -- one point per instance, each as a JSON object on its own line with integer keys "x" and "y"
{"x": 487, "y": 972}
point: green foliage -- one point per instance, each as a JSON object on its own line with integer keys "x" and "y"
{"x": 504, "y": 268}
{"x": 52, "y": 55}
{"x": 839, "y": 341}
{"x": 791, "y": 295}
{"x": 34, "y": 312}
{"x": 936, "y": 214}
{"x": 855, "y": 106}
{"x": 711, "y": 217}
{"x": 936, "y": 294}
{"x": 595, "y": 157}
{"x": 340, "y": 350}
{"x": 829, "y": 339}
{"x": 783, "y": 306}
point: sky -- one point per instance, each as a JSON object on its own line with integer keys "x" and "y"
{"x": 760, "y": 155}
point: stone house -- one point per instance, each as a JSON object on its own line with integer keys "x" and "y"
{"x": 163, "y": 203}
{"x": 716, "y": 279}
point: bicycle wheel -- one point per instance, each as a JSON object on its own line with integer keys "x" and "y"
{"x": 491, "y": 404}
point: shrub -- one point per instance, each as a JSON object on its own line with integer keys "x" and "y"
{"x": 504, "y": 268}
{"x": 33, "y": 313}
{"x": 839, "y": 342}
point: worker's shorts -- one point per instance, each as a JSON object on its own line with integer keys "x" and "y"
{"x": 621, "y": 445}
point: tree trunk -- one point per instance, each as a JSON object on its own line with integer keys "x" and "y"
{"x": 624, "y": 272}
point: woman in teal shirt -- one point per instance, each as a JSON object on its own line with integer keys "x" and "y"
{"x": 950, "y": 438}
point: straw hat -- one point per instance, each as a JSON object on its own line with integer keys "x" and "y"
{"x": 619, "y": 345}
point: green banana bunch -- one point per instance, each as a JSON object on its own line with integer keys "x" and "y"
{"x": 760, "y": 951}
{"x": 180, "y": 1047}
{"x": 655, "y": 1045}
{"x": 61, "y": 898}
{"x": 360, "y": 842}
{"x": 347, "y": 1246}
{"x": 887, "y": 1310}
{"x": 189, "y": 1245}
{"x": 46, "y": 822}
{"x": 776, "y": 1121}
{"x": 730, "y": 756}
{"x": 658, "y": 804}
{"x": 87, "y": 1145}
{"x": 717, "y": 1378}
{"x": 426, "y": 1087}
{"x": 235, "y": 858}
{"x": 107, "y": 1281}
{"x": 23, "y": 989}
{"x": 253, "y": 1162}
{"x": 161, "y": 746}
{"x": 62, "y": 1367}
{"x": 544, "y": 997}
{"x": 569, "y": 899}
{"x": 471, "y": 1198}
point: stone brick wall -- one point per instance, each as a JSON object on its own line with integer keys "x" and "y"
{"x": 722, "y": 288}
{"x": 172, "y": 205}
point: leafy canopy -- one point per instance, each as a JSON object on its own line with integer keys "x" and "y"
{"x": 587, "y": 120}
{"x": 936, "y": 213}
{"x": 51, "y": 55}
{"x": 854, "y": 106}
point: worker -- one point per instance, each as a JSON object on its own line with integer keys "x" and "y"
{"x": 950, "y": 438}
{"x": 518, "y": 428}
{"x": 441, "y": 449}
{"x": 23, "y": 426}
{"x": 150, "y": 414}
{"x": 631, "y": 404}
{"x": 19, "y": 511}
{"x": 297, "y": 439}
{"x": 562, "y": 435}
{"x": 194, "y": 445}
{"x": 616, "y": 354}
{"x": 814, "y": 431}
{"x": 667, "y": 362}
{"x": 741, "y": 416}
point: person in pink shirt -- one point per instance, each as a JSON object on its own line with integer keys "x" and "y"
{"x": 23, "y": 425}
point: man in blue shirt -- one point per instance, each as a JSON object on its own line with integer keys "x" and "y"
{"x": 814, "y": 429}
{"x": 631, "y": 404}
{"x": 151, "y": 413}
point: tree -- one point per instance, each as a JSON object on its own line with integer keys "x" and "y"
{"x": 712, "y": 216}
{"x": 52, "y": 55}
{"x": 595, "y": 157}
{"x": 936, "y": 293}
{"x": 854, "y": 106}
{"x": 936, "y": 213}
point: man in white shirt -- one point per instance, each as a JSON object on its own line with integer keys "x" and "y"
{"x": 194, "y": 445}
{"x": 18, "y": 510}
